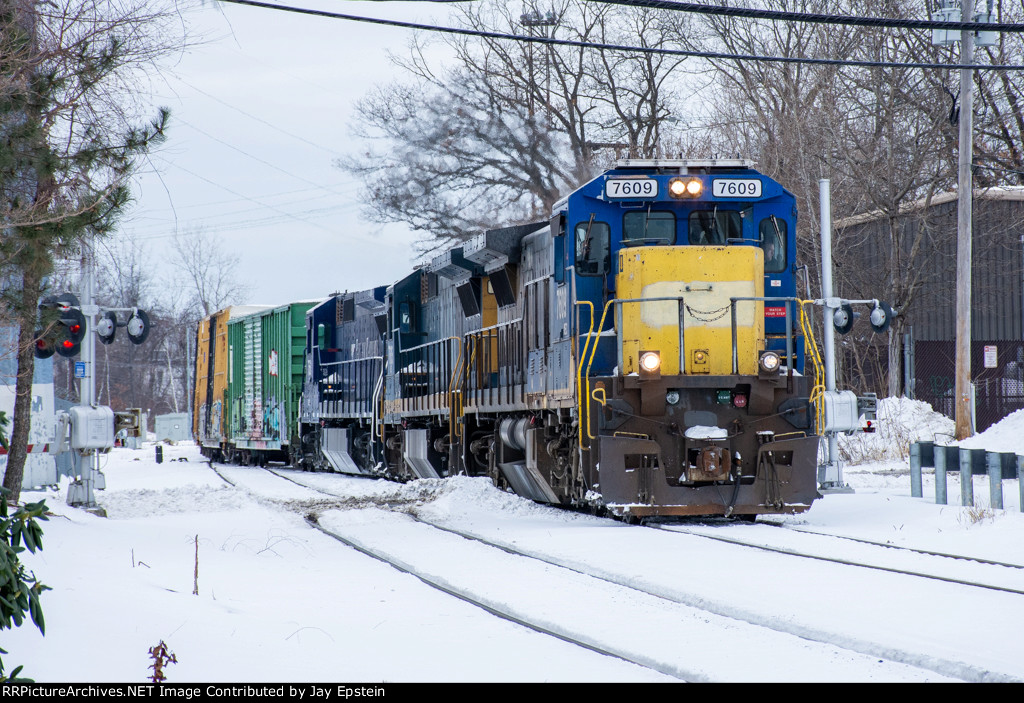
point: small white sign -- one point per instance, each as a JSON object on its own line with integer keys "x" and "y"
{"x": 991, "y": 356}
{"x": 273, "y": 362}
{"x": 736, "y": 188}
{"x": 631, "y": 189}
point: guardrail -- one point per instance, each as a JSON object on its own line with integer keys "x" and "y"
{"x": 969, "y": 462}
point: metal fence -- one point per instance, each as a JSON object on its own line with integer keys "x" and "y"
{"x": 997, "y": 371}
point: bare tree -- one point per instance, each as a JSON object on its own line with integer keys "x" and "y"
{"x": 895, "y": 140}
{"x": 513, "y": 126}
{"x": 774, "y": 112}
{"x": 209, "y": 273}
{"x": 999, "y": 122}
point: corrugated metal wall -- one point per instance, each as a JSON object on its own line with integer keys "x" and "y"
{"x": 997, "y": 270}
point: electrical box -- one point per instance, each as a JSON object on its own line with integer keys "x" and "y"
{"x": 985, "y": 37}
{"x": 948, "y": 11}
{"x": 130, "y": 421}
{"x": 842, "y": 413}
{"x": 92, "y": 427}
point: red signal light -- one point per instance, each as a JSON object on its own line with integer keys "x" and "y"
{"x": 67, "y": 344}
{"x": 75, "y": 329}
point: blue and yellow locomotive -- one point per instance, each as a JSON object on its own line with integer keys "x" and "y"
{"x": 639, "y": 352}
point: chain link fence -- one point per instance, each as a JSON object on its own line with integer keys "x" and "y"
{"x": 997, "y": 370}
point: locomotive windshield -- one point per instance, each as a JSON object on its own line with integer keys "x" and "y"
{"x": 649, "y": 227}
{"x": 715, "y": 226}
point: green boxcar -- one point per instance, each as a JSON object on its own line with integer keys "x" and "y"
{"x": 265, "y": 382}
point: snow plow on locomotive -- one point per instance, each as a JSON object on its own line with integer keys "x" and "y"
{"x": 639, "y": 352}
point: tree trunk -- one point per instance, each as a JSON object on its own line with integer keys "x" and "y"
{"x": 895, "y": 347}
{"x": 23, "y": 386}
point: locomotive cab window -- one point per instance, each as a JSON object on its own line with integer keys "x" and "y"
{"x": 592, "y": 248}
{"x": 715, "y": 227}
{"x": 649, "y": 227}
{"x": 773, "y": 241}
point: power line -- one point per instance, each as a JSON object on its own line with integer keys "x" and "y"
{"x": 157, "y": 232}
{"x": 256, "y": 158}
{"x": 813, "y": 18}
{"x": 649, "y": 50}
{"x": 259, "y": 119}
{"x": 232, "y": 201}
{"x": 253, "y": 200}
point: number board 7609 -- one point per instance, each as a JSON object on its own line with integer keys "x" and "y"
{"x": 631, "y": 188}
{"x": 736, "y": 188}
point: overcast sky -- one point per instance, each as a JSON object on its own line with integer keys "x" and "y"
{"x": 260, "y": 111}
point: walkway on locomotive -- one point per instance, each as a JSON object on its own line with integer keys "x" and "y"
{"x": 345, "y": 356}
{"x": 722, "y": 204}
{"x": 456, "y": 338}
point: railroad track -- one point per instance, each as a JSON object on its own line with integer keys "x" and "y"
{"x": 464, "y": 594}
{"x": 889, "y": 545}
{"x": 936, "y": 561}
{"x": 625, "y": 586}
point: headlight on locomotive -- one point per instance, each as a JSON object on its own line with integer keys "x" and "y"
{"x": 769, "y": 362}
{"x": 685, "y": 187}
{"x": 650, "y": 364}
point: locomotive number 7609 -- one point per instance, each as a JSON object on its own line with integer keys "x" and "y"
{"x": 736, "y": 188}
{"x": 631, "y": 188}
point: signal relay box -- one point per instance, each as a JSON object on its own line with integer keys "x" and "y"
{"x": 92, "y": 427}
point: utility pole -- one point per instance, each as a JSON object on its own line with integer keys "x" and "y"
{"x": 80, "y": 492}
{"x": 831, "y": 474}
{"x": 948, "y": 12}
{"x": 964, "y": 424}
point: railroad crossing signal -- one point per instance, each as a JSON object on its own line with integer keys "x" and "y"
{"x": 106, "y": 326}
{"x": 71, "y": 332}
{"x": 65, "y": 334}
{"x": 45, "y": 346}
{"x": 138, "y": 326}
{"x": 881, "y": 316}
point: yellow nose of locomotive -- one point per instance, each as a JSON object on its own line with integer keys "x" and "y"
{"x": 705, "y": 279}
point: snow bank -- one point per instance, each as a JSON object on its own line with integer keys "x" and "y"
{"x": 901, "y": 422}
{"x": 1007, "y": 435}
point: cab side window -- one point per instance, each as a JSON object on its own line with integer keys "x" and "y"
{"x": 772, "y": 233}
{"x": 592, "y": 240}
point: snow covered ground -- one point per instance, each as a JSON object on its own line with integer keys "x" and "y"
{"x": 280, "y": 601}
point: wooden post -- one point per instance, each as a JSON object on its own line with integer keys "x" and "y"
{"x": 964, "y": 425}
